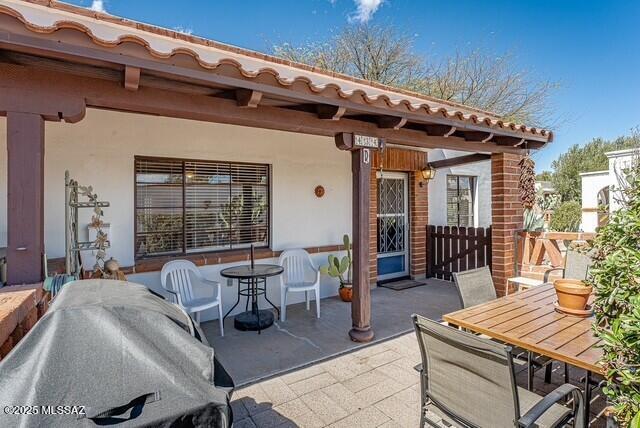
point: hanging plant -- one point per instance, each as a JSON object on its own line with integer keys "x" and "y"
{"x": 527, "y": 182}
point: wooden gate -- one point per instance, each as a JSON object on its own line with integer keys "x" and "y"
{"x": 456, "y": 249}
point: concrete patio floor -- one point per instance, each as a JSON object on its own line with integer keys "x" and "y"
{"x": 306, "y": 372}
{"x": 303, "y": 339}
{"x": 375, "y": 386}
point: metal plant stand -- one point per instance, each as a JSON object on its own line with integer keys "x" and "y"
{"x": 252, "y": 283}
{"x": 73, "y": 246}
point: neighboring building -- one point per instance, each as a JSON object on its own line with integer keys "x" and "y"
{"x": 601, "y": 189}
{"x": 545, "y": 188}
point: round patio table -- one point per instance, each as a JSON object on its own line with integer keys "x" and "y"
{"x": 252, "y": 282}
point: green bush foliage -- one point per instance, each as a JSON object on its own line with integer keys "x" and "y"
{"x": 616, "y": 278}
{"x": 567, "y": 217}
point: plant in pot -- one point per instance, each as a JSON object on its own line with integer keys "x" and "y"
{"x": 573, "y": 294}
{"x": 341, "y": 268}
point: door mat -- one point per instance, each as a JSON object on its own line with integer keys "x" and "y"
{"x": 402, "y": 284}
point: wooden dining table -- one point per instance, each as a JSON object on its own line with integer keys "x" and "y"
{"x": 528, "y": 319}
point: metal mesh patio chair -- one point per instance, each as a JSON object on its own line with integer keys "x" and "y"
{"x": 469, "y": 381}
{"x": 475, "y": 286}
{"x": 576, "y": 266}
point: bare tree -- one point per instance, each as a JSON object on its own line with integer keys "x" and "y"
{"x": 370, "y": 52}
{"x": 477, "y": 78}
{"x": 491, "y": 83}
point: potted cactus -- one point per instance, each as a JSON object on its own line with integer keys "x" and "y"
{"x": 341, "y": 268}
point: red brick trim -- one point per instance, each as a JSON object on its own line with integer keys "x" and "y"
{"x": 419, "y": 219}
{"x": 20, "y": 309}
{"x": 201, "y": 259}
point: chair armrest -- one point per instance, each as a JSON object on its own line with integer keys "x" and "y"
{"x": 548, "y": 272}
{"x": 215, "y": 285}
{"x": 529, "y": 418}
{"x": 173, "y": 293}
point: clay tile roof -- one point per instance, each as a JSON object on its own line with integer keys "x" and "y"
{"x": 48, "y": 16}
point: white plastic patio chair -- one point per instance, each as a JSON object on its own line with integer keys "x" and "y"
{"x": 300, "y": 274}
{"x": 181, "y": 289}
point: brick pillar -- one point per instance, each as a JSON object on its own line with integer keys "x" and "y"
{"x": 419, "y": 218}
{"x": 506, "y": 216}
{"x": 373, "y": 228}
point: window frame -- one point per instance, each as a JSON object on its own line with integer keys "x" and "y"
{"x": 473, "y": 182}
{"x": 184, "y": 252}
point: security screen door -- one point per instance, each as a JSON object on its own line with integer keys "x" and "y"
{"x": 393, "y": 225}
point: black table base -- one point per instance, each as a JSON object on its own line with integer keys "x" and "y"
{"x": 253, "y": 319}
{"x": 250, "y": 321}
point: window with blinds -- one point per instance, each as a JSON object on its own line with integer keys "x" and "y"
{"x": 460, "y": 200}
{"x": 187, "y": 206}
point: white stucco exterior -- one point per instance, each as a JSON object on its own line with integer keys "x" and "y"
{"x": 610, "y": 180}
{"x": 438, "y": 188}
{"x": 99, "y": 151}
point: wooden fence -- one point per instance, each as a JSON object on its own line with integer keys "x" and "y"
{"x": 456, "y": 249}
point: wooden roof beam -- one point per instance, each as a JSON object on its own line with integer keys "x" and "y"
{"x": 440, "y": 130}
{"x": 131, "y": 78}
{"x": 330, "y": 112}
{"x": 247, "y": 98}
{"x": 502, "y": 140}
{"x": 391, "y": 122}
{"x": 483, "y": 137}
{"x": 459, "y": 160}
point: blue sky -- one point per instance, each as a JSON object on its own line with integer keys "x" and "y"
{"x": 590, "y": 47}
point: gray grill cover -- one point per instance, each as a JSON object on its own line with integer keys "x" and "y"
{"x": 101, "y": 345}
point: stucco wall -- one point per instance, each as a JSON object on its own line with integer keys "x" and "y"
{"x": 438, "y": 188}
{"x": 100, "y": 150}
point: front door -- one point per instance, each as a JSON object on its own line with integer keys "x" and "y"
{"x": 393, "y": 225}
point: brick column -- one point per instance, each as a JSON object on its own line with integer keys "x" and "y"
{"x": 419, "y": 218}
{"x": 506, "y": 216}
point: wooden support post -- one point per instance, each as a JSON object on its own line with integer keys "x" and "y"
{"x": 25, "y": 220}
{"x": 361, "y": 302}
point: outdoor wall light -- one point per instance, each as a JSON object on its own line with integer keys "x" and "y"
{"x": 428, "y": 172}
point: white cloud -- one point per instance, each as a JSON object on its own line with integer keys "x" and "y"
{"x": 98, "y": 6}
{"x": 365, "y": 10}
{"x": 184, "y": 30}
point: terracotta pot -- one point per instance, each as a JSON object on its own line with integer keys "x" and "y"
{"x": 346, "y": 293}
{"x": 572, "y": 293}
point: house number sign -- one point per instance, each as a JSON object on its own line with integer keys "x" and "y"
{"x": 366, "y": 156}
{"x": 366, "y": 141}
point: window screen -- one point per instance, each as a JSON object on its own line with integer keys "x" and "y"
{"x": 186, "y": 206}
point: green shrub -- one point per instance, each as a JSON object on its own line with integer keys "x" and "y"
{"x": 615, "y": 277}
{"x": 567, "y": 217}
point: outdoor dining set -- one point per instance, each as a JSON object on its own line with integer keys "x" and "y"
{"x": 296, "y": 271}
{"x": 470, "y": 360}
